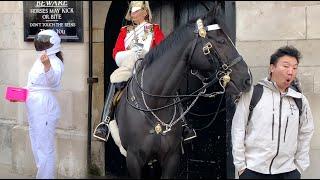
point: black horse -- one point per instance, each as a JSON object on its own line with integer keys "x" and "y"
{"x": 149, "y": 114}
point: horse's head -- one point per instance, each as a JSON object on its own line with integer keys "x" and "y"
{"x": 213, "y": 55}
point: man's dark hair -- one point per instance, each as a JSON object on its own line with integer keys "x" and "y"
{"x": 283, "y": 51}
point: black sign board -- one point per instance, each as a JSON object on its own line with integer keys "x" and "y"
{"x": 65, "y": 17}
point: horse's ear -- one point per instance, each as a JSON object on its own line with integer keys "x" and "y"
{"x": 212, "y": 15}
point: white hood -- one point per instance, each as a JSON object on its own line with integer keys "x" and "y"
{"x": 55, "y": 40}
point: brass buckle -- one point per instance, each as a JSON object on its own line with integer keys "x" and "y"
{"x": 206, "y": 48}
{"x": 202, "y": 32}
{"x": 226, "y": 79}
{"x": 158, "y": 128}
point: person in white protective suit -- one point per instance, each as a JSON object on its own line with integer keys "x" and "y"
{"x": 42, "y": 106}
{"x": 133, "y": 42}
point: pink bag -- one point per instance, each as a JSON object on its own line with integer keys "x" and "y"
{"x": 16, "y": 94}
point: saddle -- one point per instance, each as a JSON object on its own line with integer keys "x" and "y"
{"x": 117, "y": 97}
{"x": 119, "y": 91}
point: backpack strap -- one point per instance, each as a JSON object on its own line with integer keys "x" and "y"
{"x": 256, "y": 96}
{"x": 298, "y": 102}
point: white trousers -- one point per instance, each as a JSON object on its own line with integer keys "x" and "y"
{"x": 124, "y": 71}
{"x": 43, "y": 115}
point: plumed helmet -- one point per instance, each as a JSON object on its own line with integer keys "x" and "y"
{"x": 136, "y": 5}
{"x": 47, "y": 40}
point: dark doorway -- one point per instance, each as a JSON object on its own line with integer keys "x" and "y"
{"x": 115, "y": 163}
{"x": 209, "y": 155}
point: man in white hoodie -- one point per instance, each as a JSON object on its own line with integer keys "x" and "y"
{"x": 274, "y": 143}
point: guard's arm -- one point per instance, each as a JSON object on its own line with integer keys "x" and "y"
{"x": 119, "y": 46}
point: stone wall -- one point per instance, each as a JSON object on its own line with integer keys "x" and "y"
{"x": 17, "y": 58}
{"x": 261, "y": 28}
{"x": 100, "y": 11}
{"x": 264, "y": 26}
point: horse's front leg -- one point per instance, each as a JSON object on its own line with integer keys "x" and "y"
{"x": 170, "y": 166}
{"x": 134, "y": 165}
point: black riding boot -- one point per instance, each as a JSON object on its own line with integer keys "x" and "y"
{"x": 102, "y": 130}
{"x": 188, "y": 133}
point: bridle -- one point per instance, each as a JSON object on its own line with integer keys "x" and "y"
{"x": 222, "y": 76}
{"x": 224, "y": 71}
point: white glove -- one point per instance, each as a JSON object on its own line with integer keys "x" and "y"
{"x": 141, "y": 53}
{"x": 123, "y": 57}
{"x": 137, "y": 46}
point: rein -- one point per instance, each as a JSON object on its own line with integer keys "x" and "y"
{"x": 221, "y": 76}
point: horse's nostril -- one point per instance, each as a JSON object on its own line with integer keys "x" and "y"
{"x": 247, "y": 82}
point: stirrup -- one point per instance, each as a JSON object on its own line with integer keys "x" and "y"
{"x": 99, "y": 137}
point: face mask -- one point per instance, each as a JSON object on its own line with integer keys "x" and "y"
{"x": 47, "y": 40}
{"x": 42, "y": 42}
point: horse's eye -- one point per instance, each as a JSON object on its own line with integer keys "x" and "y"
{"x": 222, "y": 41}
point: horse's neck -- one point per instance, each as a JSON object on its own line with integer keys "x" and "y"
{"x": 164, "y": 76}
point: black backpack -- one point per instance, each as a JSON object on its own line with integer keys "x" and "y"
{"x": 256, "y": 96}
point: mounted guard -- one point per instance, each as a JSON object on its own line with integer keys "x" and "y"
{"x": 150, "y": 113}
{"x": 133, "y": 42}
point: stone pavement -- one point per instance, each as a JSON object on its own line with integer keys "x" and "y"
{"x": 7, "y": 173}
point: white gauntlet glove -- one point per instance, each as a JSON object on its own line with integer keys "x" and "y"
{"x": 141, "y": 53}
{"x": 138, "y": 49}
{"x": 125, "y": 57}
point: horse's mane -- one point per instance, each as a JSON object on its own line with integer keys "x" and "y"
{"x": 168, "y": 43}
{"x": 179, "y": 34}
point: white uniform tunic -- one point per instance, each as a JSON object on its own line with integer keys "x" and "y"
{"x": 43, "y": 113}
{"x": 140, "y": 35}
{"x": 126, "y": 59}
